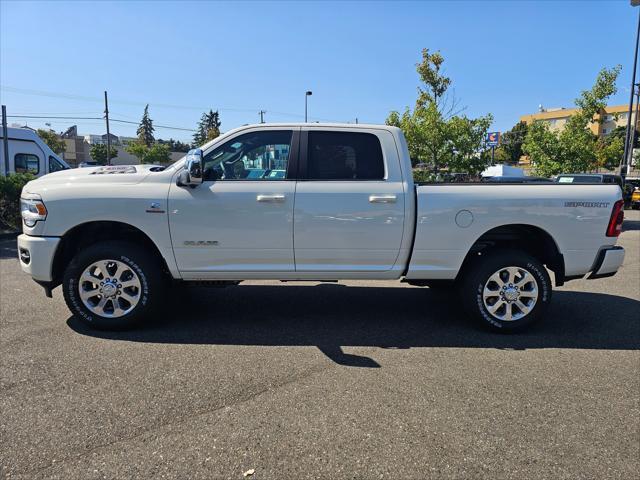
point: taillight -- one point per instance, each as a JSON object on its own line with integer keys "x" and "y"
{"x": 617, "y": 217}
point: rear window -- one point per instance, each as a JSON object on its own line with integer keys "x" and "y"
{"x": 344, "y": 156}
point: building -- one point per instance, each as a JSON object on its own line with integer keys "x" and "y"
{"x": 101, "y": 139}
{"x": 603, "y": 123}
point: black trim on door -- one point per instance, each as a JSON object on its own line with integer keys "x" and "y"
{"x": 294, "y": 157}
{"x": 304, "y": 153}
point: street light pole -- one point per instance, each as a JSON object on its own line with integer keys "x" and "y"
{"x": 307, "y": 94}
{"x": 106, "y": 117}
{"x": 628, "y": 147}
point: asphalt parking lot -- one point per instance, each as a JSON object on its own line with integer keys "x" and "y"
{"x": 347, "y": 380}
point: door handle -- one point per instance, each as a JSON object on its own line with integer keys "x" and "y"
{"x": 382, "y": 199}
{"x": 270, "y": 198}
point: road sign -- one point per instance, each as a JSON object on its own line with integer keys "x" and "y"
{"x": 493, "y": 139}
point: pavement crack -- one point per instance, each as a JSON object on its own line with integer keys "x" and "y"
{"x": 183, "y": 419}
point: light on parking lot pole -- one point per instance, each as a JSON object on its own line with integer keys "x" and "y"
{"x": 307, "y": 94}
{"x": 630, "y": 135}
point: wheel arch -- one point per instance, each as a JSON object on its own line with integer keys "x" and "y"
{"x": 90, "y": 233}
{"x": 526, "y": 237}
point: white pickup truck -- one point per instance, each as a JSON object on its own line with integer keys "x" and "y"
{"x": 309, "y": 202}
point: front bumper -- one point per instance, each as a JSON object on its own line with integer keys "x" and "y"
{"x": 608, "y": 262}
{"x": 36, "y": 256}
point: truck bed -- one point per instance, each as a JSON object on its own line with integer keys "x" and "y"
{"x": 451, "y": 218}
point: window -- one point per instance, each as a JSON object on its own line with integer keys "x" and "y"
{"x": 344, "y": 156}
{"x": 252, "y": 156}
{"x": 26, "y": 163}
{"x": 55, "y": 165}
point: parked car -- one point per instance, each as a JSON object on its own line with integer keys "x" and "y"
{"x": 589, "y": 178}
{"x": 635, "y": 198}
{"x": 116, "y": 237}
{"x": 517, "y": 180}
{"x": 28, "y": 153}
{"x": 631, "y": 192}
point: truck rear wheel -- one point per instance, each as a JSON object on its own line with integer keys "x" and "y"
{"x": 113, "y": 285}
{"x": 506, "y": 290}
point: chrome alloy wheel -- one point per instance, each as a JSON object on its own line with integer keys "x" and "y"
{"x": 109, "y": 288}
{"x": 510, "y": 293}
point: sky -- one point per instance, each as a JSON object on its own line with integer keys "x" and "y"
{"x": 358, "y": 59}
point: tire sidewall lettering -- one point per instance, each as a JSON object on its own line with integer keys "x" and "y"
{"x": 543, "y": 297}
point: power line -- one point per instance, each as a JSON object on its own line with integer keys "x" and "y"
{"x": 155, "y": 125}
{"x": 51, "y": 117}
{"x": 58, "y": 117}
{"x": 44, "y": 93}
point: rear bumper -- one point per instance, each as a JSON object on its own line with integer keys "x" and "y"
{"x": 607, "y": 263}
{"x": 36, "y": 256}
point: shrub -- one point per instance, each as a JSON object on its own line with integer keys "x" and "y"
{"x": 10, "y": 188}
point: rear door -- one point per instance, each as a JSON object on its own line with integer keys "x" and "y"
{"x": 350, "y": 201}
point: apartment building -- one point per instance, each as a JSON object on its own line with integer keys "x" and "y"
{"x": 603, "y": 123}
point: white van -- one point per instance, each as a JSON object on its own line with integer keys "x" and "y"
{"x": 28, "y": 154}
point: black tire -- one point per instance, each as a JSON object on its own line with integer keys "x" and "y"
{"x": 478, "y": 274}
{"x": 152, "y": 284}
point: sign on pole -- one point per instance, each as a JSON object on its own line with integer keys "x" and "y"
{"x": 493, "y": 139}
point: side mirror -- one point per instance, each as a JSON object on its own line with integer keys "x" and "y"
{"x": 193, "y": 171}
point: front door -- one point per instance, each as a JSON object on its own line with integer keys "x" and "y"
{"x": 239, "y": 222}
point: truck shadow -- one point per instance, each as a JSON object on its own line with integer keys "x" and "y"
{"x": 333, "y": 316}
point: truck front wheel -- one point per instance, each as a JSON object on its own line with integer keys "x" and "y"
{"x": 113, "y": 285}
{"x": 506, "y": 290}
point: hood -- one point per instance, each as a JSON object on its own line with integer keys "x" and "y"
{"x": 116, "y": 174}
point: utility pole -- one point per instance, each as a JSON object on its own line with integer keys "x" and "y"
{"x": 261, "y": 113}
{"x": 5, "y": 140}
{"x": 106, "y": 117}
{"x": 628, "y": 139}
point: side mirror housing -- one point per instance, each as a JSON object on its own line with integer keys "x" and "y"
{"x": 192, "y": 175}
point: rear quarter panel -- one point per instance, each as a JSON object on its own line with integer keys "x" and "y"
{"x": 575, "y": 216}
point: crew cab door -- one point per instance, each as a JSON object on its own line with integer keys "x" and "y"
{"x": 350, "y": 201}
{"x": 239, "y": 222}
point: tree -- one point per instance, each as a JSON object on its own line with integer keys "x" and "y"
{"x": 435, "y": 133}
{"x": 575, "y": 148}
{"x": 145, "y": 129}
{"x": 466, "y": 136}
{"x": 510, "y": 149}
{"x": 175, "y": 145}
{"x": 155, "y": 154}
{"x": 54, "y": 142}
{"x": 208, "y": 128}
{"x": 98, "y": 153}
{"x": 621, "y": 132}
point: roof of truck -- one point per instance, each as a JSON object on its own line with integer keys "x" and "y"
{"x": 320, "y": 124}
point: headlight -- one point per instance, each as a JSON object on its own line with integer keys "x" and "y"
{"x": 32, "y": 210}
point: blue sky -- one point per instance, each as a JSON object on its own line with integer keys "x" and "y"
{"x": 357, "y": 57}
